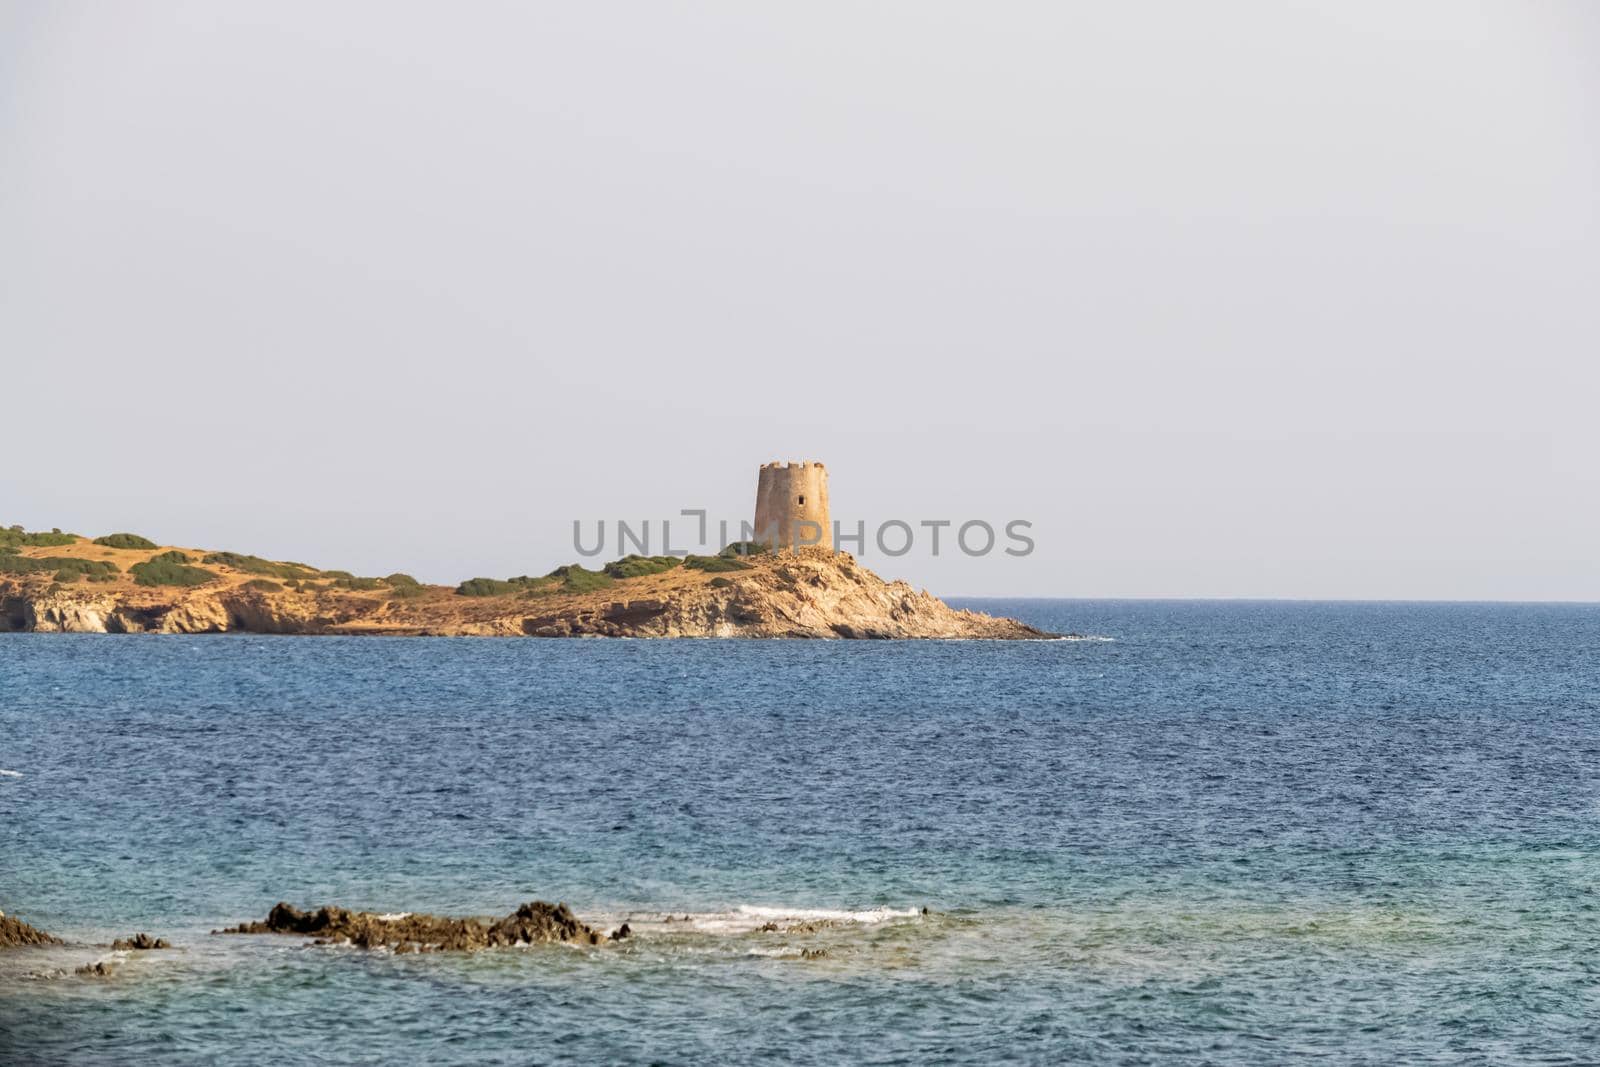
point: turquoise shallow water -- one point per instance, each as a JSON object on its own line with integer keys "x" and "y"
{"x": 1234, "y": 833}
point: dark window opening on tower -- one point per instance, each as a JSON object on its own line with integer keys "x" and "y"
{"x": 802, "y": 500}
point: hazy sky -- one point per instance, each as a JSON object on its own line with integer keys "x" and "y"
{"x": 1232, "y": 299}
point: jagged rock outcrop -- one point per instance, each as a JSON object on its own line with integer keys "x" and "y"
{"x": 14, "y": 933}
{"x": 533, "y": 923}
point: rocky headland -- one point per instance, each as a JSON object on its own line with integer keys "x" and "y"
{"x": 122, "y": 583}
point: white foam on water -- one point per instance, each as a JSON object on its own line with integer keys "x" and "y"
{"x": 772, "y": 953}
{"x": 746, "y": 918}
{"x": 10, "y": 774}
{"x": 870, "y": 915}
{"x": 393, "y": 916}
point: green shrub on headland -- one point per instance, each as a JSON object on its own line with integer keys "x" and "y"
{"x": 407, "y": 592}
{"x": 172, "y": 555}
{"x": 256, "y": 565}
{"x": 16, "y": 537}
{"x": 635, "y": 566}
{"x": 65, "y": 568}
{"x": 170, "y": 572}
{"x": 496, "y": 587}
{"x": 486, "y": 587}
{"x": 264, "y": 585}
{"x": 571, "y": 578}
{"x": 715, "y": 564}
{"x": 125, "y": 540}
{"x": 575, "y": 579}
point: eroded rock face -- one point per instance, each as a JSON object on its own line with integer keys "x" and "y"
{"x": 196, "y": 615}
{"x": 68, "y": 614}
{"x": 258, "y": 613}
{"x": 533, "y": 923}
{"x": 15, "y": 932}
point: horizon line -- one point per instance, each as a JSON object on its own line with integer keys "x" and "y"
{"x": 1277, "y": 599}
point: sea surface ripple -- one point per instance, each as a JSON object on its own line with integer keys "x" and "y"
{"x": 1235, "y": 833}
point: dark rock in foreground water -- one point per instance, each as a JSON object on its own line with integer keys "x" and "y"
{"x": 140, "y": 943}
{"x": 534, "y": 923}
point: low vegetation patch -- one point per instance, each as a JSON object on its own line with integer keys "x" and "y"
{"x": 635, "y": 566}
{"x": 498, "y": 587}
{"x": 265, "y": 567}
{"x": 17, "y": 537}
{"x": 161, "y": 571}
{"x": 65, "y": 568}
{"x": 486, "y": 587}
{"x": 358, "y": 583}
{"x": 264, "y": 585}
{"x": 715, "y": 564}
{"x": 744, "y": 548}
{"x": 95, "y": 570}
{"x": 574, "y": 578}
{"x": 172, "y": 556}
{"x": 125, "y": 540}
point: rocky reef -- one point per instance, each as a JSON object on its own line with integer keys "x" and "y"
{"x": 105, "y": 587}
{"x": 535, "y": 922}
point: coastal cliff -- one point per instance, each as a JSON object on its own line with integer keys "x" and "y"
{"x": 60, "y": 583}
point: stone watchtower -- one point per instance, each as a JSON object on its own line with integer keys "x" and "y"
{"x": 792, "y": 505}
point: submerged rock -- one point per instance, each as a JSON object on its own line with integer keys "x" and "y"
{"x": 533, "y": 923}
{"x": 15, "y": 932}
{"x": 140, "y": 943}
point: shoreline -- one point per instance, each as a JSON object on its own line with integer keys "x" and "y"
{"x": 125, "y": 584}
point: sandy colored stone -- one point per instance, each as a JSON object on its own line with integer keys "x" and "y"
{"x": 792, "y": 506}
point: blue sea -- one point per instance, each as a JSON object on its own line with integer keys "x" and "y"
{"x": 1223, "y": 832}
